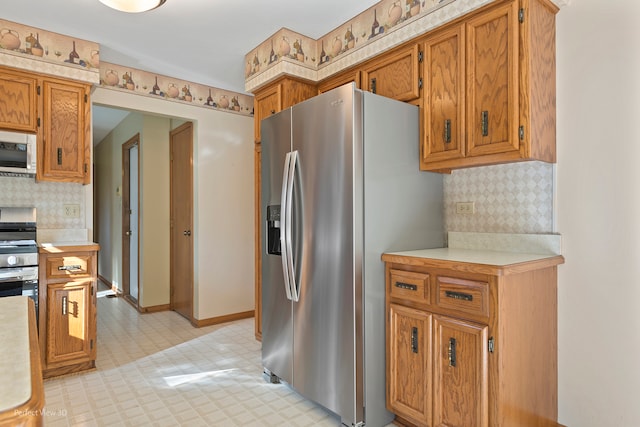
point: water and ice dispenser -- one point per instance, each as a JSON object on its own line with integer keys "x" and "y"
{"x": 273, "y": 230}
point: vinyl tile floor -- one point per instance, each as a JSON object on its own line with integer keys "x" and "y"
{"x": 157, "y": 370}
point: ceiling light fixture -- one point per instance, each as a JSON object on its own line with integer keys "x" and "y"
{"x": 133, "y": 6}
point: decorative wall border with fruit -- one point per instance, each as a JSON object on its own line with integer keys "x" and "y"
{"x": 120, "y": 77}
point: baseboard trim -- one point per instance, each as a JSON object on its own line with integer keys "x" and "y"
{"x": 154, "y": 308}
{"x": 199, "y": 323}
{"x": 113, "y": 287}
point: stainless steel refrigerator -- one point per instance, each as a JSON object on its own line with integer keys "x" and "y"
{"x": 340, "y": 186}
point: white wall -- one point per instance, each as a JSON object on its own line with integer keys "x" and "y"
{"x": 598, "y": 98}
{"x": 223, "y": 211}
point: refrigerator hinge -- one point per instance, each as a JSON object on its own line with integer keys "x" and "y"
{"x": 491, "y": 345}
{"x": 521, "y": 15}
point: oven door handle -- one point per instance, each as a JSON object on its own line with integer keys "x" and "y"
{"x": 18, "y": 274}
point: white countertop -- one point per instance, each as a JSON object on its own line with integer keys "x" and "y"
{"x": 473, "y": 256}
{"x": 15, "y": 365}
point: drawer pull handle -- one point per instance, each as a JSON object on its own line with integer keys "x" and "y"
{"x": 458, "y": 295}
{"x": 406, "y": 286}
{"x": 65, "y": 303}
{"x": 452, "y": 352}
{"x": 414, "y": 339}
{"x": 70, "y": 268}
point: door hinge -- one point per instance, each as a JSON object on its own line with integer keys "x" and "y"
{"x": 91, "y": 344}
{"x": 420, "y": 83}
{"x": 491, "y": 345}
{"x": 420, "y": 56}
{"x": 86, "y": 98}
{"x": 38, "y": 121}
{"x": 38, "y": 89}
{"x": 91, "y": 291}
{"x": 521, "y": 15}
{"x": 521, "y": 133}
{"x": 86, "y": 168}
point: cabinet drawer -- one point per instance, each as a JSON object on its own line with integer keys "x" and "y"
{"x": 409, "y": 285}
{"x": 68, "y": 266}
{"x": 468, "y": 296}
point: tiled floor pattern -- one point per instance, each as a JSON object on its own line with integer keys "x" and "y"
{"x": 157, "y": 370}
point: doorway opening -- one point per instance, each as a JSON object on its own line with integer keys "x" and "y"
{"x": 131, "y": 220}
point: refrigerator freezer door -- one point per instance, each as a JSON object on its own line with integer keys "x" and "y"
{"x": 324, "y": 317}
{"x": 277, "y": 327}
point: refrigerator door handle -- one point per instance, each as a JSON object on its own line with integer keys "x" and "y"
{"x": 283, "y": 224}
{"x": 291, "y": 270}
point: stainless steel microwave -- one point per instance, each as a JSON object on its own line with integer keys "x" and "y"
{"x": 17, "y": 153}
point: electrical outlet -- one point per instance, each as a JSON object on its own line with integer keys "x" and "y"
{"x": 72, "y": 211}
{"x": 465, "y": 208}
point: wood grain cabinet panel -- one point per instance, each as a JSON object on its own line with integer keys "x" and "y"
{"x": 70, "y": 337}
{"x": 444, "y": 106}
{"x": 409, "y": 373}
{"x": 483, "y": 355}
{"x": 65, "y": 128}
{"x": 498, "y": 64}
{"x": 395, "y": 74}
{"x": 68, "y": 313}
{"x": 18, "y": 109}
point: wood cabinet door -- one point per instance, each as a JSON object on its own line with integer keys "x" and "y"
{"x": 18, "y": 101}
{"x": 64, "y": 134}
{"x": 339, "y": 80}
{"x": 460, "y": 374}
{"x": 266, "y": 103}
{"x": 409, "y": 364}
{"x": 444, "y": 107}
{"x": 492, "y": 72}
{"x": 69, "y": 325}
{"x": 394, "y": 75}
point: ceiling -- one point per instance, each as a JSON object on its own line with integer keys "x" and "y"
{"x": 202, "y": 41}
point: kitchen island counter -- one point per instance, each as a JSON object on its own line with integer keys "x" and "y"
{"x": 22, "y": 391}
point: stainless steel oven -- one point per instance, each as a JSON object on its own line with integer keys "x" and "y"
{"x": 18, "y": 253}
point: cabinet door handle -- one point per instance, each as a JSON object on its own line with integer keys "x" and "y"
{"x": 406, "y": 286}
{"x": 414, "y": 339}
{"x": 373, "y": 85}
{"x": 452, "y": 352}
{"x": 65, "y": 303}
{"x": 59, "y": 156}
{"x": 447, "y": 131}
{"x": 484, "y": 117}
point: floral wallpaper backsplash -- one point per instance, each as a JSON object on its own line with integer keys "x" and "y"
{"x": 509, "y": 198}
{"x": 48, "y": 198}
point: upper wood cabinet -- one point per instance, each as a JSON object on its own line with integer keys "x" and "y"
{"x": 65, "y": 144}
{"x": 444, "y": 93}
{"x": 281, "y": 94}
{"x": 490, "y": 90}
{"x": 59, "y": 112}
{"x": 339, "y": 80}
{"x": 18, "y": 110}
{"x": 395, "y": 74}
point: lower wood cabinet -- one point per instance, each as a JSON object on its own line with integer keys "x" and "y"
{"x": 68, "y": 297}
{"x": 471, "y": 344}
